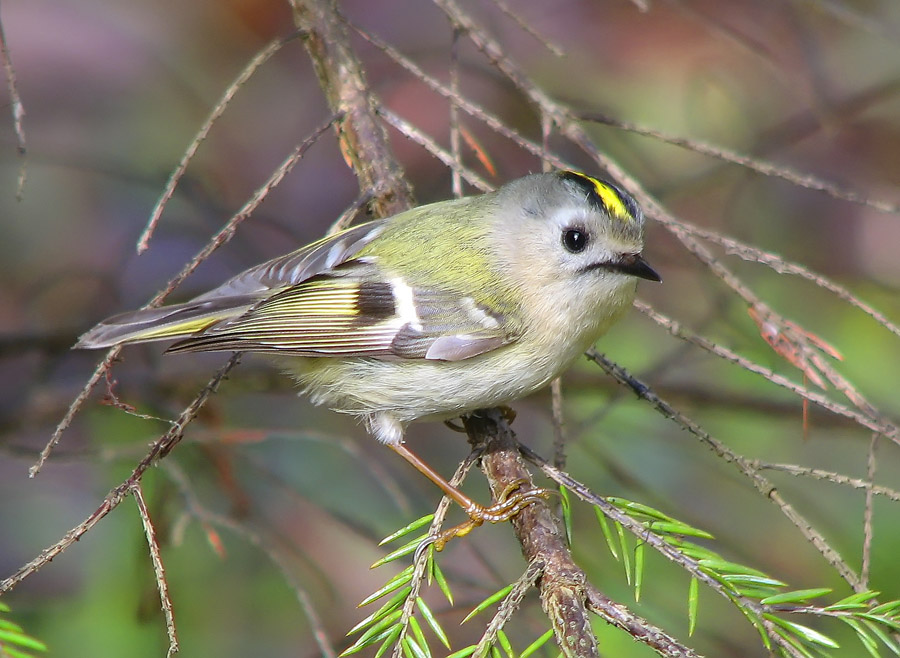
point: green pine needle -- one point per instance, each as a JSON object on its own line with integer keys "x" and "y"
{"x": 693, "y": 600}
{"x": 415, "y": 525}
{"x": 488, "y": 602}
{"x": 392, "y": 585}
{"x": 432, "y": 622}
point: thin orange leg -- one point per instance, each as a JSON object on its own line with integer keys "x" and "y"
{"x": 509, "y": 504}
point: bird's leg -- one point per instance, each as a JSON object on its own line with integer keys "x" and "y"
{"x": 511, "y": 501}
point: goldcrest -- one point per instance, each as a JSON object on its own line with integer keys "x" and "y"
{"x": 439, "y": 310}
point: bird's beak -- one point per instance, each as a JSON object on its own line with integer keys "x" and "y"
{"x": 635, "y": 265}
{"x": 630, "y": 264}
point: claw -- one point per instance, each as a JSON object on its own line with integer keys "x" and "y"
{"x": 509, "y": 504}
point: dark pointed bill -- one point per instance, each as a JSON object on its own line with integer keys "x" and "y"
{"x": 630, "y": 264}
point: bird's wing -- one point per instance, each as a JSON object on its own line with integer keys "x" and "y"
{"x": 355, "y": 309}
{"x": 234, "y": 297}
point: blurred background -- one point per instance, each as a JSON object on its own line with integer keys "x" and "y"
{"x": 115, "y": 92}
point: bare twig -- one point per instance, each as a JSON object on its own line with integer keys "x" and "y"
{"x": 227, "y": 231}
{"x": 470, "y": 108}
{"x": 362, "y": 138}
{"x": 527, "y": 29}
{"x": 758, "y": 165}
{"x": 875, "y": 422}
{"x": 98, "y": 374}
{"x": 158, "y": 568}
{"x": 258, "y": 60}
{"x": 868, "y": 512}
{"x": 221, "y": 237}
{"x": 829, "y": 476}
{"x": 433, "y": 147}
{"x": 209, "y": 518}
{"x": 18, "y": 113}
{"x": 510, "y": 603}
{"x": 455, "y": 152}
{"x": 160, "y": 448}
{"x": 622, "y": 617}
{"x": 346, "y": 217}
{"x": 745, "y": 466}
{"x": 778, "y": 264}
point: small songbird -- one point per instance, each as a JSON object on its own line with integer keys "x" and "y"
{"x": 445, "y": 308}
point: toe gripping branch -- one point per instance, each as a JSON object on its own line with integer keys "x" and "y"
{"x": 517, "y": 494}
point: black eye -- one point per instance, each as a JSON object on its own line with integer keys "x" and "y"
{"x": 575, "y": 240}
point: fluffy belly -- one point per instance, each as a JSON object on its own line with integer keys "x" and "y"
{"x": 413, "y": 389}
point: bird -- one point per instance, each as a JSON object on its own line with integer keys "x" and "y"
{"x": 429, "y": 314}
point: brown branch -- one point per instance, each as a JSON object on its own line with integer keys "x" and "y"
{"x": 745, "y": 466}
{"x": 562, "y": 584}
{"x": 261, "y": 58}
{"x": 208, "y": 519}
{"x": 566, "y": 595}
{"x": 622, "y": 617}
{"x": 160, "y": 448}
{"x": 158, "y": 568}
{"x": 18, "y": 112}
{"x": 362, "y": 138}
{"x": 224, "y": 235}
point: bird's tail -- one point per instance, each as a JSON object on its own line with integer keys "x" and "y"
{"x": 175, "y": 321}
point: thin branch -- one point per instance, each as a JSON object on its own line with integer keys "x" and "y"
{"x": 362, "y": 138}
{"x": 221, "y": 237}
{"x": 868, "y": 512}
{"x": 829, "y": 476}
{"x": 527, "y": 29}
{"x": 409, "y": 130}
{"x": 227, "y": 231}
{"x": 842, "y": 13}
{"x": 511, "y": 602}
{"x": 455, "y": 152}
{"x": 158, "y": 568}
{"x": 18, "y": 113}
{"x": 470, "y": 108}
{"x": 218, "y": 110}
{"x": 350, "y": 212}
{"x": 758, "y": 165}
{"x": 874, "y": 422}
{"x": 98, "y": 374}
{"x": 622, "y": 617}
{"x": 753, "y": 254}
{"x": 208, "y": 518}
{"x": 745, "y": 466}
{"x": 158, "y": 450}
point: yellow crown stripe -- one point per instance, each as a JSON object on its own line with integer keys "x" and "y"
{"x": 609, "y": 196}
{"x": 612, "y": 200}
